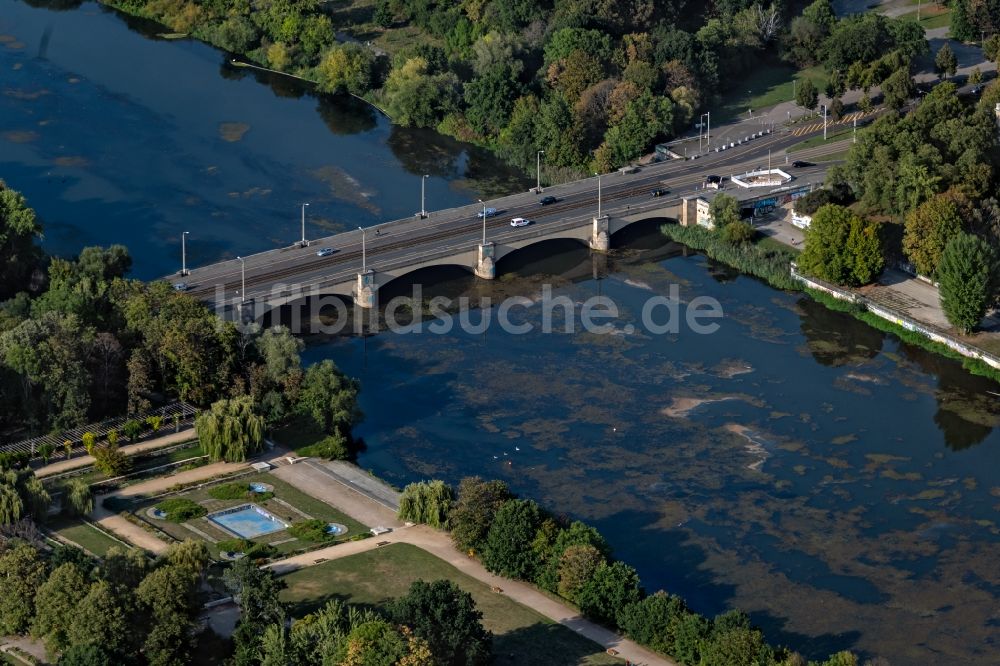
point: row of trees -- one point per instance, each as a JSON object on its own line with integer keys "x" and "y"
{"x": 518, "y": 539}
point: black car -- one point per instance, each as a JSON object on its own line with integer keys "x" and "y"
{"x": 800, "y": 164}
{"x": 658, "y": 192}
{"x": 545, "y": 201}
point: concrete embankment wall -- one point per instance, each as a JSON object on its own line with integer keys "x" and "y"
{"x": 899, "y": 319}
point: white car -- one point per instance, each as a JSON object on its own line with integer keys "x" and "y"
{"x": 325, "y": 252}
{"x": 520, "y": 222}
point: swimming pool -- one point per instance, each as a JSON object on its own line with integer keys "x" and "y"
{"x": 247, "y": 521}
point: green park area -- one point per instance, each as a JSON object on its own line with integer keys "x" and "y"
{"x": 764, "y": 87}
{"x": 932, "y": 15}
{"x": 521, "y": 635}
{"x": 293, "y": 521}
{"x": 86, "y": 536}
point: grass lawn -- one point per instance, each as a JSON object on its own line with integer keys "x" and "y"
{"x": 86, "y": 536}
{"x": 931, "y": 16}
{"x": 814, "y": 141}
{"x": 521, "y": 635}
{"x": 768, "y": 242}
{"x": 764, "y": 87}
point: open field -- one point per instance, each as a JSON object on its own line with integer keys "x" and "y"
{"x": 521, "y": 636}
{"x": 289, "y": 504}
{"x": 931, "y": 16}
{"x": 765, "y": 87}
{"x": 85, "y": 536}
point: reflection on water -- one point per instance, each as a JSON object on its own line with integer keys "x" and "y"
{"x": 841, "y": 486}
{"x": 796, "y": 463}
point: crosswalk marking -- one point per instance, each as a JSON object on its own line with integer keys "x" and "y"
{"x": 816, "y": 126}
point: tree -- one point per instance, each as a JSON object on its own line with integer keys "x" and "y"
{"x": 100, "y": 620}
{"x": 110, "y": 459}
{"x": 280, "y": 351}
{"x": 18, "y": 253}
{"x": 928, "y": 229}
{"x": 991, "y": 48}
{"x": 168, "y": 595}
{"x": 331, "y": 398}
{"x": 22, "y": 572}
{"x": 806, "y": 94}
{"x": 975, "y": 77}
{"x": 190, "y": 554}
{"x": 478, "y": 502}
{"x": 86, "y": 655}
{"x": 576, "y": 567}
{"x": 967, "y": 277}
{"x": 724, "y": 210}
{"x": 55, "y": 606}
{"x": 655, "y": 621}
{"x": 231, "y": 430}
{"x": 898, "y": 89}
{"x": 347, "y": 67}
{"x": 446, "y": 617}
{"x": 945, "y": 62}
{"x": 22, "y": 495}
{"x": 609, "y": 591}
{"x": 489, "y": 98}
{"x": 427, "y": 502}
{"x": 507, "y": 551}
{"x": 841, "y": 247}
{"x": 78, "y": 500}
{"x": 738, "y": 233}
{"x": 739, "y": 646}
{"x": 256, "y": 591}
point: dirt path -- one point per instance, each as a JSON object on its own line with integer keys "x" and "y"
{"x": 61, "y": 466}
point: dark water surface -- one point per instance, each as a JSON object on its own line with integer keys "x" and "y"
{"x": 842, "y": 487}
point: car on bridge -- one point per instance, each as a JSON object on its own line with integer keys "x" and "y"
{"x": 325, "y": 252}
{"x": 520, "y": 222}
{"x": 659, "y": 192}
{"x": 181, "y": 286}
{"x": 802, "y": 164}
{"x": 545, "y": 201}
{"x": 713, "y": 181}
{"x": 488, "y": 212}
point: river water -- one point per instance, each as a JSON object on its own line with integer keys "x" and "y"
{"x": 842, "y": 487}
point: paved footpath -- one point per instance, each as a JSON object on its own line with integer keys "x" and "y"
{"x": 61, "y": 466}
{"x": 439, "y": 544}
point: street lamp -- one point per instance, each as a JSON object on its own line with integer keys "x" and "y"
{"x": 538, "y": 171}
{"x": 824, "y": 122}
{"x": 184, "y": 270}
{"x": 484, "y": 220}
{"x": 423, "y": 183}
{"x": 303, "y": 242}
{"x": 364, "y": 256}
{"x": 243, "y": 279}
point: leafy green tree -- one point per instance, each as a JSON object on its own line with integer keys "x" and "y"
{"x": 991, "y": 48}
{"x": 967, "y": 278}
{"x": 427, "y": 502}
{"x": 111, "y": 460}
{"x": 645, "y": 118}
{"x": 256, "y": 591}
{"x": 375, "y": 643}
{"x": 928, "y": 229}
{"x": 19, "y": 255}
{"x": 975, "y": 77}
{"x": 168, "y": 596}
{"x": 22, "y": 495}
{"x": 898, "y": 89}
{"x": 841, "y": 247}
{"x": 348, "y": 67}
{"x": 577, "y": 534}
{"x": 576, "y": 567}
{"x": 655, "y": 621}
{"x": 739, "y": 646}
{"x": 125, "y": 568}
{"x": 100, "y": 620}
{"x": 609, "y": 591}
{"x": 806, "y": 94}
{"x": 489, "y": 98}
{"x": 55, "y": 606}
{"x": 724, "y": 210}
{"x": 78, "y": 500}
{"x": 231, "y": 430}
{"x": 692, "y": 630}
{"x": 446, "y": 617}
{"x": 22, "y": 573}
{"x": 507, "y": 551}
{"x": 86, "y": 655}
{"x": 738, "y": 233}
{"x": 190, "y": 554}
{"x": 331, "y": 398}
{"x": 945, "y": 62}
{"x": 419, "y": 99}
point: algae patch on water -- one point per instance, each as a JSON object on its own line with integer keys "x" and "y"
{"x": 71, "y": 161}
{"x": 24, "y": 136}
{"x": 233, "y": 132}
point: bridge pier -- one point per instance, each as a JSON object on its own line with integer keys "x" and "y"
{"x": 365, "y": 292}
{"x": 599, "y": 236}
{"x": 485, "y": 265}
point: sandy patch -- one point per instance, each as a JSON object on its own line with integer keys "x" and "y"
{"x": 233, "y": 132}
{"x": 682, "y": 407}
{"x": 71, "y": 161}
{"x": 753, "y": 446}
{"x": 15, "y": 136}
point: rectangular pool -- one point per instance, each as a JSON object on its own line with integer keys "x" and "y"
{"x": 247, "y": 521}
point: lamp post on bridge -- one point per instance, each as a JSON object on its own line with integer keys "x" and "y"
{"x": 484, "y": 220}
{"x": 598, "y": 195}
{"x": 538, "y": 171}
{"x": 303, "y": 242}
{"x": 184, "y": 270}
{"x": 423, "y": 184}
{"x": 243, "y": 279}
{"x": 824, "y": 122}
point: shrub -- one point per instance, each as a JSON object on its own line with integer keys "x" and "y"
{"x": 427, "y": 502}
{"x": 89, "y": 439}
{"x": 180, "y": 509}
{"x": 230, "y": 491}
{"x": 251, "y": 549}
{"x": 68, "y": 448}
{"x": 112, "y": 437}
{"x": 131, "y": 429}
{"x": 331, "y": 447}
{"x": 313, "y": 529}
{"x": 154, "y": 422}
{"x": 110, "y": 460}
{"x": 45, "y": 451}
{"x": 768, "y": 263}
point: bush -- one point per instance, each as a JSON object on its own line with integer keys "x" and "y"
{"x": 154, "y": 422}
{"x": 110, "y": 460}
{"x": 313, "y": 529}
{"x": 427, "y": 502}
{"x": 132, "y": 429}
{"x": 45, "y": 451}
{"x": 331, "y": 447}
{"x": 768, "y": 263}
{"x": 89, "y": 439}
{"x": 230, "y": 491}
{"x": 251, "y": 549}
{"x": 180, "y": 509}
